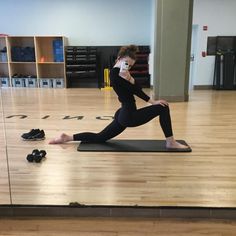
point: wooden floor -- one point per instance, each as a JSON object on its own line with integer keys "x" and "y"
{"x": 206, "y": 177}
{"x": 4, "y": 182}
{"x": 115, "y": 227}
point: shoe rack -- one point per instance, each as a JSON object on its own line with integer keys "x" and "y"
{"x": 140, "y": 70}
{"x": 81, "y": 66}
{"x": 42, "y": 64}
{"x": 4, "y": 60}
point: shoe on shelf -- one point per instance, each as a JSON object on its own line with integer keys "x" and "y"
{"x": 34, "y": 135}
{"x": 15, "y": 76}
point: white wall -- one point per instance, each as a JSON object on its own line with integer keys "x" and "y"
{"x": 220, "y": 17}
{"x": 84, "y": 22}
{"x": 152, "y": 38}
{"x": 110, "y": 22}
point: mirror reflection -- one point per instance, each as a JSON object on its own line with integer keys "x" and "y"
{"x": 37, "y": 108}
{"x": 57, "y": 85}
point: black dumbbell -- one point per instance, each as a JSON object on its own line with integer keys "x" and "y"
{"x": 30, "y": 157}
{"x": 36, "y": 156}
{"x": 40, "y": 156}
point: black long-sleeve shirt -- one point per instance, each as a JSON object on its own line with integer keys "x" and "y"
{"x": 124, "y": 89}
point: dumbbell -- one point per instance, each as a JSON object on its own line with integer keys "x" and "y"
{"x": 36, "y": 156}
{"x": 40, "y": 156}
{"x": 30, "y": 157}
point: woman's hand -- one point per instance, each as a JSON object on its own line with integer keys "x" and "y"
{"x": 126, "y": 75}
{"x": 158, "y": 102}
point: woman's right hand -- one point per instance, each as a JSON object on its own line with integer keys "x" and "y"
{"x": 126, "y": 75}
{"x": 158, "y": 102}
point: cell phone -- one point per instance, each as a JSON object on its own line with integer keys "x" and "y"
{"x": 124, "y": 66}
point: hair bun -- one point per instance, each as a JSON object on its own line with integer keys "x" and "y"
{"x": 133, "y": 48}
{"x": 129, "y": 51}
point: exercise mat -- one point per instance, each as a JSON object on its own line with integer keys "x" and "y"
{"x": 122, "y": 145}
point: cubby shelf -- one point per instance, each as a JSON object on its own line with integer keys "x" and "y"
{"x": 43, "y": 59}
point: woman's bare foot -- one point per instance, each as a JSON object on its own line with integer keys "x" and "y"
{"x": 63, "y": 138}
{"x": 176, "y": 145}
{"x": 172, "y": 143}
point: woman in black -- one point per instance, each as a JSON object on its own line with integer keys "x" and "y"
{"x": 128, "y": 115}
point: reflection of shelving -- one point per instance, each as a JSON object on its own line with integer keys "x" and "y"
{"x": 23, "y": 69}
{"x": 3, "y": 50}
{"x": 50, "y": 67}
{"x": 4, "y": 72}
{"x": 21, "y": 41}
{"x": 50, "y": 70}
{"x": 106, "y": 57}
{"x": 22, "y": 49}
{"x": 81, "y": 66}
{"x": 140, "y": 70}
{"x": 45, "y": 50}
{"x": 34, "y": 56}
{"x": 4, "y": 65}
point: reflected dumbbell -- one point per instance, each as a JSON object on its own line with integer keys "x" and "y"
{"x": 36, "y": 156}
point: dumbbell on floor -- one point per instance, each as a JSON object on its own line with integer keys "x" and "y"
{"x": 30, "y": 157}
{"x": 36, "y": 156}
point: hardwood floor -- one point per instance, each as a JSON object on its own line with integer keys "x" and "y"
{"x": 115, "y": 227}
{"x": 205, "y": 177}
{"x": 4, "y": 184}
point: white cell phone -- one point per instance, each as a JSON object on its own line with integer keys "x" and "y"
{"x": 124, "y": 66}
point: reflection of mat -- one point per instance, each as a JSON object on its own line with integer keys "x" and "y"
{"x": 118, "y": 145}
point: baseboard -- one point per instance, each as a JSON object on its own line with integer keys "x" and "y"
{"x": 116, "y": 211}
{"x": 203, "y": 87}
{"x": 175, "y": 98}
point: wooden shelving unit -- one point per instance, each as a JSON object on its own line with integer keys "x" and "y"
{"x": 4, "y": 62}
{"x": 4, "y": 71}
{"x": 42, "y": 64}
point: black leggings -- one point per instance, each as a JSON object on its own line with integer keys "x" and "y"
{"x": 128, "y": 116}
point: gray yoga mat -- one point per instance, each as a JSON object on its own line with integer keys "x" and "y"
{"x": 121, "y": 145}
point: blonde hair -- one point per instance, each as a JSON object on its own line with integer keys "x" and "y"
{"x": 128, "y": 51}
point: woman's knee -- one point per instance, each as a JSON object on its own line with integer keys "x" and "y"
{"x": 166, "y": 109}
{"x": 161, "y": 108}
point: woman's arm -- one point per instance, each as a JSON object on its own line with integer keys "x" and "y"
{"x": 132, "y": 86}
{"x": 127, "y": 76}
{"x": 151, "y": 101}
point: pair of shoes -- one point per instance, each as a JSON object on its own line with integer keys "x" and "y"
{"x": 34, "y": 135}
{"x": 23, "y": 76}
{"x": 36, "y": 156}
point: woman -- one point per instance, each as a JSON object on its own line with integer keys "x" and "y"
{"x": 128, "y": 115}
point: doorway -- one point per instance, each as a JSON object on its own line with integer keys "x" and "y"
{"x": 193, "y": 57}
